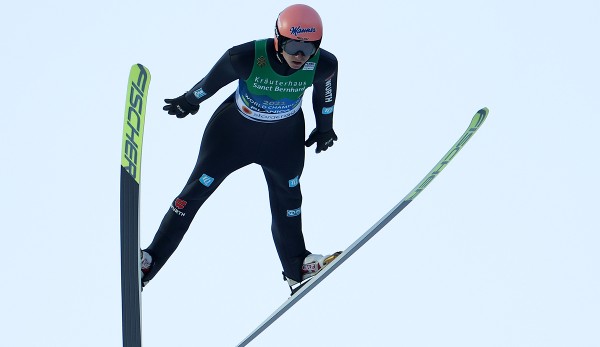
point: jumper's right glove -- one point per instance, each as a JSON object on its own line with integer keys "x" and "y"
{"x": 323, "y": 140}
{"x": 180, "y": 107}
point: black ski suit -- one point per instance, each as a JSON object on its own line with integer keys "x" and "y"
{"x": 232, "y": 141}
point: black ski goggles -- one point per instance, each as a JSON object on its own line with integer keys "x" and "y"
{"x": 293, "y": 47}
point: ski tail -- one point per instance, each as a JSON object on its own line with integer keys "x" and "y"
{"x": 131, "y": 158}
{"x": 476, "y": 122}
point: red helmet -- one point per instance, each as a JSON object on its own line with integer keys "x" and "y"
{"x": 298, "y": 22}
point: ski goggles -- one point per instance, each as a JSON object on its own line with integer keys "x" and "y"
{"x": 293, "y": 47}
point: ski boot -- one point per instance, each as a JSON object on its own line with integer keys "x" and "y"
{"x": 311, "y": 266}
{"x": 146, "y": 265}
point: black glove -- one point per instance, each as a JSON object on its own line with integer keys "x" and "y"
{"x": 180, "y": 107}
{"x": 323, "y": 140}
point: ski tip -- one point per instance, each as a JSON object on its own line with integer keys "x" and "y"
{"x": 140, "y": 67}
{"x": 479, "y": 118}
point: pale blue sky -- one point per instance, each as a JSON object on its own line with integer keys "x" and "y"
{"x": 500, "y": 250}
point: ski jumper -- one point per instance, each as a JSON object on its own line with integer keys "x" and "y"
{"x": 261, "y": 123}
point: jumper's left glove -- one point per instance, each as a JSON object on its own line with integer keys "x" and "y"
{"x": 180, "y": 107}
{"x": 323, "y": 140}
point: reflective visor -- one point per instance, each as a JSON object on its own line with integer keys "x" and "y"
{"x": 293, "y": 47}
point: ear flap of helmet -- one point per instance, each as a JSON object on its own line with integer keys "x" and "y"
{"x": 277, "y": 35}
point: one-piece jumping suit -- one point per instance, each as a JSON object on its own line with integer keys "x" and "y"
{"x": 261, "y": 123}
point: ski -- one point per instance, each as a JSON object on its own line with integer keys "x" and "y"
{"x": 476, "y": 122}
{"x": 131, "y": 158}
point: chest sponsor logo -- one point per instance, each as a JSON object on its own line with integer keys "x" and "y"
{"x": 309, "y": 66}
{"x": 261, "y": 61}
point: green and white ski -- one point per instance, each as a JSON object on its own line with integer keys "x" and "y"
{"x": 476, "y": 122}
{"x": 131, "y": 160}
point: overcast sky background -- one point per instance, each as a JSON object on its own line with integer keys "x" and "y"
{"x": 500, "y": 250}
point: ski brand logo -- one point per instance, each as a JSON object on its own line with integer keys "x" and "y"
{"x": 134, "y": 123}
{"x": 293, "y": 213}
{"x": 206, "y": 180}
{"x": 300, "y": 30}
{"x": 327, "y": 110}
{"x": 180, "y": 204}
{"x": 294, "y": 182}
{"x": 199, "y": 93}
{"x": 475, "y": 123}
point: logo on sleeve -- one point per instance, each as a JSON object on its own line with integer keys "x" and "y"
{"x": 327, "y": 110}
{"x": 293, "y": 213}
{"x": 294, "y": 182}
{"x": 180, "y": 204}
{"x": 328, "y": 91}
{"x": 206, "y": 180}
{"x": 199, "y": 93}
